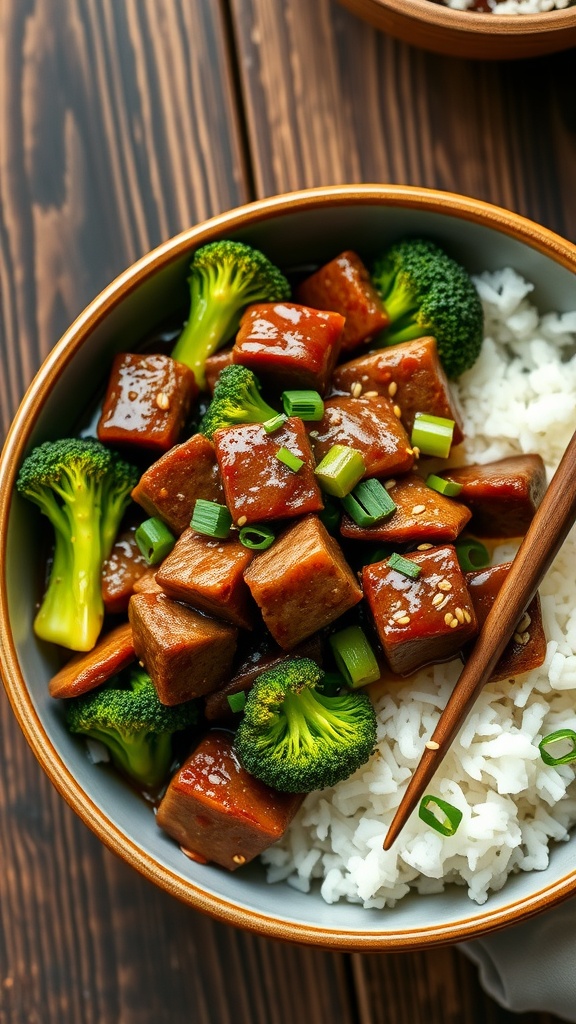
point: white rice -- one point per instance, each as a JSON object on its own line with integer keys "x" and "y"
{"x": 519, "y": 397}
{"x": 514, "y": 6}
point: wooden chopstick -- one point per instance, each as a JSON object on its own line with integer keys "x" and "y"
{"x": 544, "y": 538}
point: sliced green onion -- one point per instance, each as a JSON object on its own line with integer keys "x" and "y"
{"x": 257, "y": 538}
{"x": 448, "y": 487}
{"x": 340, "y": 470}
{"x": 404, "y": 566}
{"x": 274, "y": 423}
{"x": 354, "y": 657}
{"x": 332, "y": 683}
{"x": 290, "y": 460}
{"x": 448, "y": 825}
{"x": 236, "y": 700}
{"x": 330, "y": 515}
{"x": 432, "y": 435}
{"x": 308, "y": 405}
{"x": 368, "y": 503}
{"x": 154, "y": 540}
{"x": 471, "y": 554}
{"x": 555, "y": 737}
{"x": 211, "y": 519}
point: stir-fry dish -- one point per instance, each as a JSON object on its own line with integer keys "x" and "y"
{"x": 278, "y": 549}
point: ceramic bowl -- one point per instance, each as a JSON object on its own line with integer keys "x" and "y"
{"x": 433, "y": 26}
{"x": 292, "y": 229}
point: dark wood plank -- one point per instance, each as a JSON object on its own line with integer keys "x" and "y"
{"x": 331, "y": 100}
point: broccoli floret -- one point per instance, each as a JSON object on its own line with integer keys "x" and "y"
{"x": 225, "y": 277}
{"x": 237, "y": 399}
{"x": 127, "y": 717}
{"x": 296, "y": 739}
{"x": 83, "y": 489}
{"x": 424, "y": 292}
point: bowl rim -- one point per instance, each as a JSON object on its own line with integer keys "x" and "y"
{"x": 461, "y": 207}
{"x": 472, "y": 22}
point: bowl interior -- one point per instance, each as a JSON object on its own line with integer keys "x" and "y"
{"x": 292, "y": 233}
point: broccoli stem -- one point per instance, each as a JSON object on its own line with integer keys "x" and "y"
{"x": 213, "y": 319}
{"x": 399, "y": 301}
{"x": 140, "y": 759}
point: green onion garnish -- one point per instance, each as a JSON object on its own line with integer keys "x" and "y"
{"x": 448, "y": 825}
{"x": 289, "y": 459}
{"x": 257, "y": 538}
{"x": 308, "y": 405}
{"x": 432, "y": 435}
{"x": 404, "y": 566}
{"x": 368, "y": 503}
{"x": 211, "y": 519}
{"x": 154, "y": 540}
{"x": 555, "y": 737}
{"x": 274, "y": 423}
{"x": 331, "y": 684}
{"x": 340, "y": 470}
{"x": 330, "y": 515}
{"x": 354, "y": 657}
{"x": 471, "y": 554}
{"x": 237, "y": 701}
{"x": 448, "y": 487}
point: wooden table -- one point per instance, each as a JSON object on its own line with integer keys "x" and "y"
{"x": 122, "y": 122}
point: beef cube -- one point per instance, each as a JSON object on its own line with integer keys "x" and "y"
{"x": 216, "y": 706}
{"x": 257, "y": 485}
{"x": 410, "y": 373}
{"x": 503, "y": 496}
{"x": 215, "y": 364}
{"x": 217, "y": 812}
{"x": 147, "y": 401}
{"x": 289, "y": 346}
{"x": 422, "y": 515}
{"x": 344, "y": 286}
{"x": 84, "y": 672}
{"x": 123, "y": 567}
{"x": 527, "y": 648}
{"x": 370, "y": 426}
{"x": 185, "y": 653}
{"x": 420, "y": 620}
{"x": 302, "y": 583}
{"x": 170, "y": 487}
{"x": 208, "y": 574}
{"x": 146, "y": 584}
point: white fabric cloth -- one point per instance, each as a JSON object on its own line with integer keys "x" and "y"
{"x": 531, "y": 966}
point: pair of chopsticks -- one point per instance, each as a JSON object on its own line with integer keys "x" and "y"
{"x": 545, "y": 536}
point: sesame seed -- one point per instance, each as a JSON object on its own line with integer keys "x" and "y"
{"x": 416, "y": 452}
{"x": 242, "y": 521}
{"x": 399, "y": 615}
{"x": 437, "y": 599}
{"x": 448, "y": 618}
{"x": 162, "y": 400}
{"x": 418, "y": 509}
{"x": 454, "y": 623}
{"x": 409, "y": 451}
{"x": 392, "y": 388}
{"x": 313, "y": 433}
{"x": 370, "y": 394}
{"x": 356, "y": 389}
{"x": 458, "y": 612}
{"x": 390, "y": 484}
{"x": 424, "y": 547}
{"x": 467, "y": 615}
{"x": 432, "y": 745}
{"x": 444, "y": 585}
{"x": 239, "y": 859}
{"x": 404, "y": 620}
{"x": 397, "y": 411}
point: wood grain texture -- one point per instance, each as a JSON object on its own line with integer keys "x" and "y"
{"x": 331, "y": 100}
{"x": 120, "y": 124}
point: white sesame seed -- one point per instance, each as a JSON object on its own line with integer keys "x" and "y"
{"x": 239, "y": 859}
{"x": 432, "y": 745}
{"x": 444, "y": 585}
{"x": 356, "y": 389}
{"x": 437, "y": 599}
{"x": 399, "y": 614}
{"x": 454, "y": 623}
{"x": 418, "y": 509}
{"x": 459, "y": 613}
{"x": 424, "y": 547}
{"x": 397, "y": 411}
{"x": 242, "y": 521}
{"x": 370, "y": 394}
{"x": 392, "y": 388}
{"x": 416, "y": 452}
{"x": 162, "y": 400}
{"x": 404, "y": 620}
{"x": 467, "y": 615}
{"x": 448, "y": 618}
{"x": 390, "y": 484}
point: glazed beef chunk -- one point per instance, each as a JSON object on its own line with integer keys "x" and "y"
{"x": 503, "y": 496}
{"x": 422, "y": 515}
{"x": 344, "y": 285}
{"x": 368, "y": 425}
{"x": 170, "y": 487}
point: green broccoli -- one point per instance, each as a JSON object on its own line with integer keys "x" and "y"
{"x": 83, "y": 488}
{"x": 237, "y": 399}
{"x": 295, "y": 738}
{"x": 425, "y": 291}
{"x": 127, "y": 717}
{"x": 225, "y": 277}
